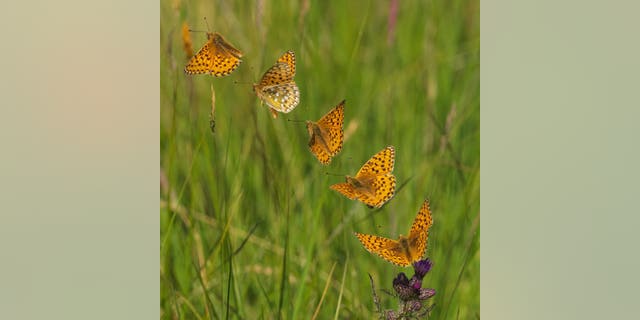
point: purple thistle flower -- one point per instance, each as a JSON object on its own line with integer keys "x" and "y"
{"x": 422, "y": 267}
{"x": 403, "y": 287}
{"x": 426, "y": 293}
{"x": 415, "y": 282}
{"x": 414, "y": 305}
{"x": 410, "y": 292}
{"x": 391, "y": 315}
{"x": 401, "y": 279}
{"x": 406, "y": 293}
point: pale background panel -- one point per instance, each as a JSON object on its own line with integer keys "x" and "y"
{"x": 560, "y": 158}
{"x": 80, "y": 162}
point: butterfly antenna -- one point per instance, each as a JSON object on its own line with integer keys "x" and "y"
{"x": 333, "y": 174}
{"x": 207, "y": 23}
{"x": 294, "y": 120}
{"x": 191, "y": 30}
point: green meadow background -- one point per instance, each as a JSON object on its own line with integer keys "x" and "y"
{"x": 249, "y": 226}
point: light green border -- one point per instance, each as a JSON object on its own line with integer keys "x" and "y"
{"x": 560, "y": 157}
{"x": 79, "y": 235}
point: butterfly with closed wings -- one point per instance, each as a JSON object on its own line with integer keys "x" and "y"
{"x": 277, "y": 88}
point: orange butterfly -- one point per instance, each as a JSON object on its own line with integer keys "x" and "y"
{"x": 374, "y": 184}
{"x": 327, "y": 134}
{"x": 277, "y": 88}
{"x": 405, "y": 250}
{"x": 217, "y": 57}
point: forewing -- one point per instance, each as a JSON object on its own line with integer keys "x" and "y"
{"x": 386, "y": 248}
{"x": 279, "y": 73}
{"x": 381, "y": 163}
{"x": 395, "y": 255}
{"x": 225, "y": 59}
{"x": 223, "y": 64}
{"x": 290, "y": 59}
{"x": 384, "y": 187}
{"x": 316, "y": 148}
{"x": 346, "y": 189}
{"x": 332, "y": 123}
{"x": 419, "y": 232}
{"x": 201, "y": 62}
{"x": 224, "y": 45}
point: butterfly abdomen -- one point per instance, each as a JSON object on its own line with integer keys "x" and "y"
{"x": 406, "y": 246}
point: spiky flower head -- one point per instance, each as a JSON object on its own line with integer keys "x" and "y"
{"x": 422, "y": 267}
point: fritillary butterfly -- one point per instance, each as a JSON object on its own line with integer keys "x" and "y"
{"x": 327, "y": 134}
{"x": 405, "y": 250}
{"x": 277, "y": 88}
{"x": 217, "y": 57}
{"x": 374, "y": 184}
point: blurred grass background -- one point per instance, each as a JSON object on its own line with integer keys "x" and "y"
{"x": 249, "y": 226}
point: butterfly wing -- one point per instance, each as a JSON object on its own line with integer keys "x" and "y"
{"x": 388, "y": 249}
{"x": 223, "y": 45}
{"x": 346, "y": 189}
{"x": 332, "y": 124}
{"x": 381, "y": 163}
{"x": 327, "y": 134}
{"x": 282, "y": 97}
{"x": 315, "y": 145}
{"x": 217, "y": 57}
{"x": 277, "y": 88}
{"x": 279, "y": 73}
{"x": 226, "y": 58}
{"x": 384, "y": 187}
{"x": 201, "y": 62}
{"x": 375, "y": 175}
{"x": 419, "y": 232}
{"x": 395, "y": 255}
{"x": 290, "y": 59}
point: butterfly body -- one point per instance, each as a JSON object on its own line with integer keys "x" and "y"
{"x": 363, "y": 185}
{"x": 318, "y": 135}
{"x": 374, "y": 184}
{"x": 277, "y": 88}
{"x": 327, "y": 135}
{"x": 217, "y": 57}
{"x": 405, "y": 250}
{"x": 410, "y": 248}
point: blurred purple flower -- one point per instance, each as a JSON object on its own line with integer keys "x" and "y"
{"x": 401, "y": 279}
{"x": 391, "y": 315}
{"x": 422, "y": 267}
{"x": 410, "y": 292}
{"x": 426, "y": 293}
{"x": 415, "y": 282}
{"x": 403, "y": 287}
{"x": 414, "y": 305}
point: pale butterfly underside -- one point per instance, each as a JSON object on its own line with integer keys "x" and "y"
{"x": 277, "y": 89}
{"x": 374, "y": 184}
{"x": 327, "y": 135}
{"x": 217, "y": 57}
{"x": 405, "y": 250}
